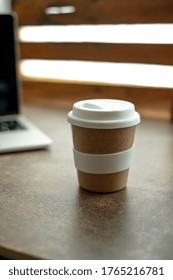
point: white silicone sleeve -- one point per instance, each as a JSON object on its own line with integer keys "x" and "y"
{"x": 103, "y": 163}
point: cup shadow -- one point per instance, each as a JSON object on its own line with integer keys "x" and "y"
{"x": 100, "y": 221}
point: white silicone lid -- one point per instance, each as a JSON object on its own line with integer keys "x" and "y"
{"x": 103, "y": 113}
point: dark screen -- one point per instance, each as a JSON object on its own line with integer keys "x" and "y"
{"x": 8, "y": 77}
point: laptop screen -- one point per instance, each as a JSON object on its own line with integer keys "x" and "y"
{"x": 8, "y": 75}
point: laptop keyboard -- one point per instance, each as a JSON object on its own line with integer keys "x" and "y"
{"x": 10, "y": 125}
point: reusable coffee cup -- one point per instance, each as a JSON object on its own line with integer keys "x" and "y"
{"x": 103, "y": 133}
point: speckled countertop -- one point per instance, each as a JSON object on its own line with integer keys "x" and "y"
{"x": 45, "y": 215}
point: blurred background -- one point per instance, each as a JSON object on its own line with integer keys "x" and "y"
{"x": 72, "y": 50}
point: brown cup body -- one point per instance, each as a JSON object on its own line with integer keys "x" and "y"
{"x": 103, "y": 141}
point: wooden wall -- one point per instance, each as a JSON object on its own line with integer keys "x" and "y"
{"x": 151, "y": 102}
{"x": 96, "y": 11}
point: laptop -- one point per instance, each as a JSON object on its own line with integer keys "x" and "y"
{"x": 17, "y": 133}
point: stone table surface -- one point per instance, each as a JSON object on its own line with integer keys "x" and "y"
{"x": 45, "y": 215}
